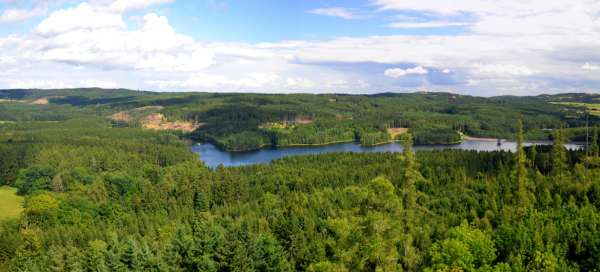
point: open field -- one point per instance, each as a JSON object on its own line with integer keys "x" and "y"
{"x": 592, "y": 108}
{"x": 10, "y": 203}
{"x": 394, "y": 132}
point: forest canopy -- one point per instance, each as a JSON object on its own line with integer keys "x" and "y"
{"x": 99, "y": 197}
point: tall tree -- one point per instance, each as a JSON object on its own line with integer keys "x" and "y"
{"x": 533, "y": 156}
{"x": 521, "y": 168}
{"x": 595, "y": 148}
{"x": 410, "y": 171}
{"x": 559, "y": 155}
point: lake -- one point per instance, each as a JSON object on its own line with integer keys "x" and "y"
{"x": 213, "y": 156}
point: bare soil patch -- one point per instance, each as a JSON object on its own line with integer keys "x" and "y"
{"x": 393, "y": 132}
{"x": 121, "y": 116}
{"x": 157, "y": 121}
{"x": 41, "y": 101}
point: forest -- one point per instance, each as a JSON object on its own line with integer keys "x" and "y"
{"x": 240, "y": 122}
{"x": 100, "y": 197}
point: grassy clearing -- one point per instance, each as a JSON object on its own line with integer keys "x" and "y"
{"x": 394, "y": 132}
{"x": 592, "y": 108}
{"x": 10, "y": 203}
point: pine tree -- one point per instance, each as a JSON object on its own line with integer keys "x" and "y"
{"x": 533, "y": 156}
{"x": 521, "y": 168}
{"x": 595, "y": 148}
{"x": 96, "y": 256}
{"x": 56, "y": 259}
{"x": 559, "y": 155}
{"x": 411, "y": 173}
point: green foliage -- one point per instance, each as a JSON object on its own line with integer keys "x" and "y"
{"x": 465, "y": 248}
{"x": 34, "y": 179}
{"x": 99, "y": 198}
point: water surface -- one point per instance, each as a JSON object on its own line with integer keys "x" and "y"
{"x": 213, "y": 156}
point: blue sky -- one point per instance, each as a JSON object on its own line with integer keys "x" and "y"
{"x": 272, "y": 20}
{"x": 479, "y": 47}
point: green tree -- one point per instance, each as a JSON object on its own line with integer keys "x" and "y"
{"x": 466, "y": 247}
{"x": 41, "y": 209}
{"x": 96, "y": 256}
{"x": 559, "y": 156}
{"x": 268, "y": 255}
{"x": 35, "y": 179}
{"x": 410, "y": 169}
{"x": 521, "y": 173}
{"x": 595, "y": 148}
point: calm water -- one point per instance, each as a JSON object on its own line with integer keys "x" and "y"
{"x": 213, "y": 156}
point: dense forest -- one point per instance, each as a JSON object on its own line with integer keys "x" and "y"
{"x": 239, "y": 122}
{"x": 100, "y": 197}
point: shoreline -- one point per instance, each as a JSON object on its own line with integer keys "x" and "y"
{"x": 469, "y": 138}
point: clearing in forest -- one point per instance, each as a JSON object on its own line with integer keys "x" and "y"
{"x": 11, "y": 205}
{"x": 157, "y": 121}
{"x": 393, "y": 132}
{"x": 591, "y": 108}
{"x": 40, "y": 101}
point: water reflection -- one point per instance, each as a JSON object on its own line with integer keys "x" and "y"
{"x": 212, "y": 156}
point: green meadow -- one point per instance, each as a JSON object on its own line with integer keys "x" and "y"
{"x": 10, "y": 203}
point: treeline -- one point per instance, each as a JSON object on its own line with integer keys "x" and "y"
{"x": 237, "y": 121}
{"x": 102, "y": 199}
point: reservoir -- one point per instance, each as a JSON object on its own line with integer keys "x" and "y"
{"x": 213, "y": 156}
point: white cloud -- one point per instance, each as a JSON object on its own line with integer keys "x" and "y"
{"x": 504, "y": 69}
{"x": 335, "y": 12}
{"x": 203, "y": 80}
{"x": 106, "y": 44}
{"x": 37, "y": 84}
{"x": 84, "y": 16}
{"x": 590, "y": 67}
{"x": 518, "y": 7}
{"x": 509, "y": 17}
{"x": 298, "y": 82}
{"x": 434, "y": 24}
{"x": 398, "y": 72}
{"x": 17, "y": 15}
{"x": 510, "y": 45}
{"x": 7, "y": 60}
{"x": 129, "y": 5}
{"x": 95, "y": 83}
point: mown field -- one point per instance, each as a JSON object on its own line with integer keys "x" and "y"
{"x": 11, "y": 205}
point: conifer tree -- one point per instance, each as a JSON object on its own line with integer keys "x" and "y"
{"x": 595, "y": 148}
{"x": 411, "y": 172}
{"x": 533, "y": 156}
{"x": 521, "y": 168}
{"x": 559, "y": 155}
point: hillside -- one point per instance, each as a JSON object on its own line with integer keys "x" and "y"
{"x": 250, "y": 121}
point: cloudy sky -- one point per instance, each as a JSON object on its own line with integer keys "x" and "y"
{"x": 479, "y": 47}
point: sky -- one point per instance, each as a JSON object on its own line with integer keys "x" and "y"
{"x": 483, "y": 48}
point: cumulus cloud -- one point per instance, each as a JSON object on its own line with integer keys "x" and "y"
{"x": 398, "y": 72}
{"x": 504, "y": 69}
{"x": 129, "y": 5}
{"x": 590, "y": 67}
{"x": 84, "y": 16}
{"x": 507, "y": 45}
{"x": 17, "y": 15}
{"x": 517, "y": 7}
{"x": 335, "y": 12}
{"x": 434, "y": 24}
{"x": 203, "y": 80}
{"x": 37, "y": 84}
{"x": 105, "y": 43}
{"x": 95, "y": 83}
